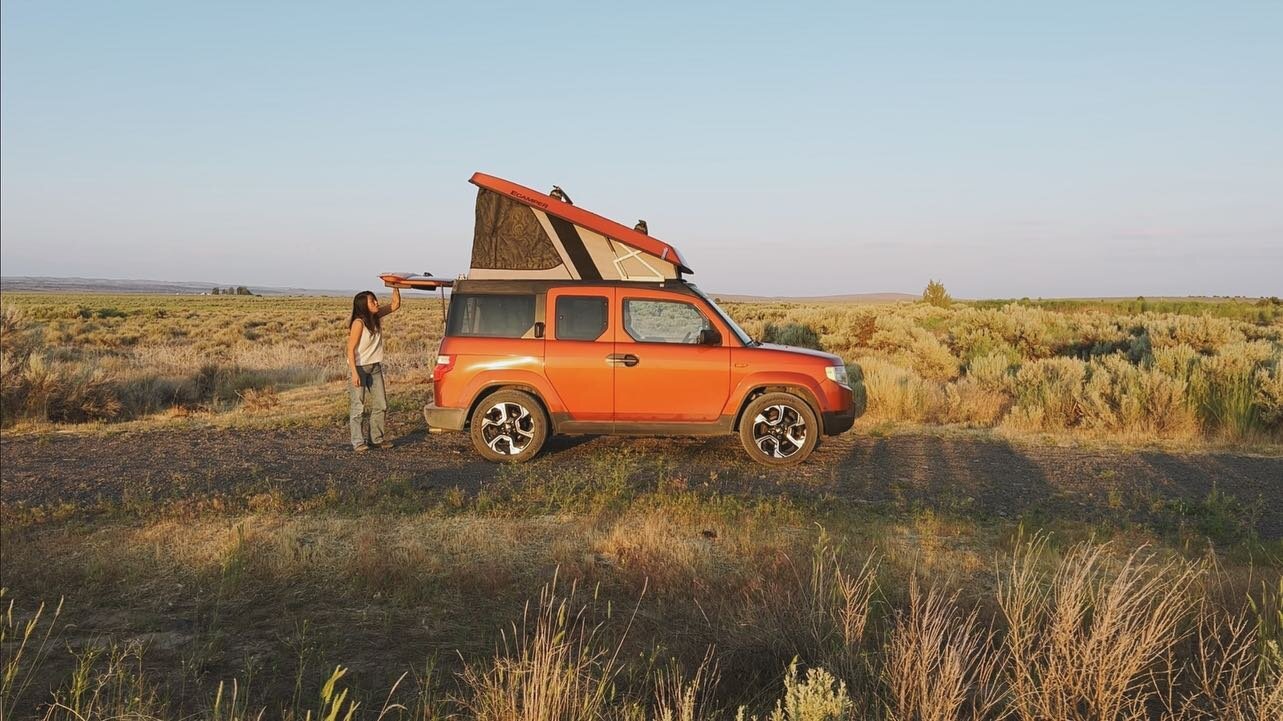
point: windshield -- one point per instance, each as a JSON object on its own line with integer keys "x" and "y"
{"x": 738, "y": 331}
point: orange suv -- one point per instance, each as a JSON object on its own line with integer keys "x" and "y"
{"x": 522, "y": 360}
{"x": 568, "y": 322}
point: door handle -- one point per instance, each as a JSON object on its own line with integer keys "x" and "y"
{"x": 627, "y": 359}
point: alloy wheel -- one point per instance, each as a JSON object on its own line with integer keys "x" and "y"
{"x": 508, "y": 428}
{"x": 779, "y": 431}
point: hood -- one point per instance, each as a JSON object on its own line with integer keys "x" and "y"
{"x": 832, "y": 359}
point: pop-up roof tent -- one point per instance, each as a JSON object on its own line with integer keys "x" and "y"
{"x": 525, "y": 234}
{"x": 522, "y": 233}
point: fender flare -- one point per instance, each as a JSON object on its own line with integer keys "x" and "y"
{"x": 795, "y": 383}
{"x": 526, "y": 382}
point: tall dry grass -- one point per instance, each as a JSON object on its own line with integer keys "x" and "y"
{"x": 1079, "y": 634}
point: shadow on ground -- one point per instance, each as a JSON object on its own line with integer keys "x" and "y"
{"x": 982, "y": 478}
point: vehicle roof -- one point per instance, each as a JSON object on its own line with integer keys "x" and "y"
{"x": 579, "y": 216}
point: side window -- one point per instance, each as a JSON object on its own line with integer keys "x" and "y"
{"x": 580, "y": 317}
{"x": 491, "y": 316}
{"x": 663, "y": 321}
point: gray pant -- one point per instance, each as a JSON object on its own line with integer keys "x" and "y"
{"x": 367, "y": 395}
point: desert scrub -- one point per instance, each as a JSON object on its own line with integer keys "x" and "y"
{"x": 36, "y": 387}
{"x": 985, "y": 364}
{"x": 118, "y": 358}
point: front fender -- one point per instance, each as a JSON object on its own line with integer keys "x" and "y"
{"x": 806, "y": 386}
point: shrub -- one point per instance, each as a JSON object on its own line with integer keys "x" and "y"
{"x": 1049, "y": 394}
{"x": 817, "y": 697}
{"x": 1222, "y": 389}
{"x": 899, "y": 394}
{"x": 38, "y": 389}
{"x": 1123, "y": 398}
{"x": 1269, "y": 394}
{"x": 991, "y": 372}
{"x": 971, "y": 403}
{"x": 795, "y": 334}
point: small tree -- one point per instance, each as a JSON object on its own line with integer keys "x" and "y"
{"x": 936, "y": 295}
{"x": 215, "y": 291}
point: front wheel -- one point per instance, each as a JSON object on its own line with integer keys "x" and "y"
{"x": 779, "y": 429}
{"x": 509, "y": 427}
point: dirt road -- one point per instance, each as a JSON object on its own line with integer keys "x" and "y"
{"x": 976, "y": 477}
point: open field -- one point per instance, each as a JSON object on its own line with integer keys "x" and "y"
{"x": 1051, "y": 512}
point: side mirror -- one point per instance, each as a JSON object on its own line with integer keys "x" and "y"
{"x": 539, "y": 329}
{"x": 710, "y": 336}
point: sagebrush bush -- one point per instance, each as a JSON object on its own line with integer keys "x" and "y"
{"x": 1049, "y": 393}
{"x": 1120, "y": 397}
{"x": 794, "y": 334}
{"x": 58, "y": 391}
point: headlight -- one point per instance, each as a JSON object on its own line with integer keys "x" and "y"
{"x": 837, "y": 374}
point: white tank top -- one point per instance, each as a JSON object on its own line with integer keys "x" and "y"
{"x": 370, "y": 349}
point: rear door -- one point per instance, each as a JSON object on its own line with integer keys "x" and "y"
{"x": 663, "y": 374}
{"x": 579, "y": 342}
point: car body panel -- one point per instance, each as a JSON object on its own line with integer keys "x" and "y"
{"x": 580, "y": 370}
{"x": 673, "y": 388}
{"x": 670, "y": 382}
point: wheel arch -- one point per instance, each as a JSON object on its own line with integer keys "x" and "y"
{"x": 756, "y": 391}
{"x": 493, "y": 388}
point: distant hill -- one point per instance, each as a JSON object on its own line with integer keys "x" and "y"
{"x": 849, "y": 298}
{"x": 23, "y": 283}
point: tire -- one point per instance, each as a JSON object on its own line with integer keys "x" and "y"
{"x": 779, "y": 429}
{"x": 509, "y": 427}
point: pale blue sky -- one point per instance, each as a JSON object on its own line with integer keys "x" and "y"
{"x": 1010, "y": 149}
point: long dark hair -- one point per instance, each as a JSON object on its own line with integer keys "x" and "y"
{"x": 361, "y": 310}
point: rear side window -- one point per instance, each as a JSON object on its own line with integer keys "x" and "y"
{"x": 663, "y": 321}
{"x": 491, "y": 316}
{"x": 580, "y": 317}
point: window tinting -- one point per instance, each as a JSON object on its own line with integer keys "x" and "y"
{"x": 663, "y": 321}
{"x": 491, "y": 316}
{"x": 580, "y": 317}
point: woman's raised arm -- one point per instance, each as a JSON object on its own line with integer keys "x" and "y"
{"x": 394, "y": 305}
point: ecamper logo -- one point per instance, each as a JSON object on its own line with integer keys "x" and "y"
{"x": 528, "y": 199}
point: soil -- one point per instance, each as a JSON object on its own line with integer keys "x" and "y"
{"x": 981, "y": 477}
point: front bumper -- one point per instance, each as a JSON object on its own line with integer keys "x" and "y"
{"x": 840, "y": 421}
{"x": 836, "y": 422}
{"x": 444, "y": 419}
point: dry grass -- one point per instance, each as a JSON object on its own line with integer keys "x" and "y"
{"x": 68, "y": 359}
{"x": 1078, "y": 633}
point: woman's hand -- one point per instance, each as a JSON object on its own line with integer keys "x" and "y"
{"x": 356, "y": 380}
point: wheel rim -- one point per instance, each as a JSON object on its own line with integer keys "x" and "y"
{"x": 779, "y": 431}
{"x": 508, "y": 428}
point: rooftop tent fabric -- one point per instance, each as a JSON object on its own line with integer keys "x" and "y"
{"x": 522, "y": 233}
{"x": 508, "y": 236}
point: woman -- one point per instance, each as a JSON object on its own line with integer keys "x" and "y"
{"x": 365, "y": 359}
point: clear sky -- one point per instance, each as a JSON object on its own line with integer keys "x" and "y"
{"x": 1009, "y": 149}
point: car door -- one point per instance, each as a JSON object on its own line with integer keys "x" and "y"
{"x": 662, "y": 372}
{"x": 577, "y": 351}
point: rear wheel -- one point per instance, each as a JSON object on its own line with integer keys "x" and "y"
{"x": 509, "y": 427}
{"x": 779, "y": 429}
